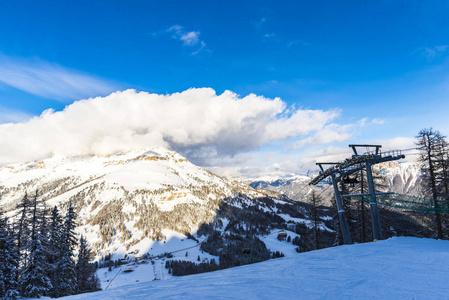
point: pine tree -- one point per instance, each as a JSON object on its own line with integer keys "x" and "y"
{"x": 22, "y": 230}
{"x": 433, "y": 149}
{"x": 336, "y": 226}
{"x": 316, "y": 202}
{"x": 44, "y": 237}
{"x": 8, "y": 260}
{"x": 34, "y": 281}
{"x": 350, "y": 208}
{"x": 54, "y": 249}
{"x": 363, "y": 211}
{"x": 66, "y": 281}
{"x": 363, "y": 230}
{"x": 85, "y": 271}
{"x": 442, "y": 175}
{"x": 55, "y": 232}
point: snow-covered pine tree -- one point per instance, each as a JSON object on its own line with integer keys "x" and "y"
{"x": 85, "y": 271}
{"x": 8, "y": 260}
{"x": 55, "y": 228}
{"x": 44, "y": 237}
{"x": 34, "y": 281}
{"x": 54, "y": 249}
{"x": 22, "y": 231}
{"x": 66, "y": 281}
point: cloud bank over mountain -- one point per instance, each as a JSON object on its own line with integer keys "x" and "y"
{"x": 196, "y": 122}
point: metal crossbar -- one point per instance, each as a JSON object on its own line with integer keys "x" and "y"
{"x": 351, "y": 165}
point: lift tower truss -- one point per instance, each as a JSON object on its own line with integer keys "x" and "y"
{"x": 338, "y": 171}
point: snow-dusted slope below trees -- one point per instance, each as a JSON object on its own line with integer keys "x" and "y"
{"x": 123, "y": 201}
{"x": 398, "y": 268}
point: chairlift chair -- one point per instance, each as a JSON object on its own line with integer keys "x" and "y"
{"x": 350, "y": 179}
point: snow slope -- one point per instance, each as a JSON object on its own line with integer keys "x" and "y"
{"x": 181, "y": 248}
{"x": 398, "y": 268}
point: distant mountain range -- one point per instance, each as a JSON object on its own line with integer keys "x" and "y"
{"x": 401, "y": 178}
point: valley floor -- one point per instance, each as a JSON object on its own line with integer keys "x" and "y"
{"x": 398, "y": 268}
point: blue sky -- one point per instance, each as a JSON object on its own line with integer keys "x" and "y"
{"x": 384, "y": 62}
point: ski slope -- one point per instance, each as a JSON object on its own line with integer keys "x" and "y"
{"x": 398, "y": 268}
{"x": 180, "y": 248}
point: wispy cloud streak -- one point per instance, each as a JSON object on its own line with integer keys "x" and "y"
{"x": 432, "y": 52}
{"x": 50, "y": 80}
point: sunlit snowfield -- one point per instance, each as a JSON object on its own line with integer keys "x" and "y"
{"x": 398, "y": 268}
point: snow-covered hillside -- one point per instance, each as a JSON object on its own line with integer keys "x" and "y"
{"x": 398, "y": 268}
{"x": 124, "y": 201}
{"x": 155, "y": 201}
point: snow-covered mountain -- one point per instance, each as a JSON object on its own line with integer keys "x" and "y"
{"x": 401, "y": 178}
{"x": 295, "y": 187}
{"x": 127, "y": 203}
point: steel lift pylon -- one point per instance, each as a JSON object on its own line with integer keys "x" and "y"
{"x": 338, "y": 171}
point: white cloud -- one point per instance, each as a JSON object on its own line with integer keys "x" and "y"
{"x": 336, "y": 154}
{"x": 255, "y": 164}
{"x": 432, "y": 52}
{"x": 329, "y": 134}
{"x": 400, "y": 143}
{"x": 189, "y": 38}
{"x": 51, "y": 80}
{"x": 202, "y": 46}
{"x": 397, "y": 143}
{"x": 330, "y": 154}
{"x": 196, "y": 122}
{"x": 378, "y": 121}
{"x": 284, "y": 164}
